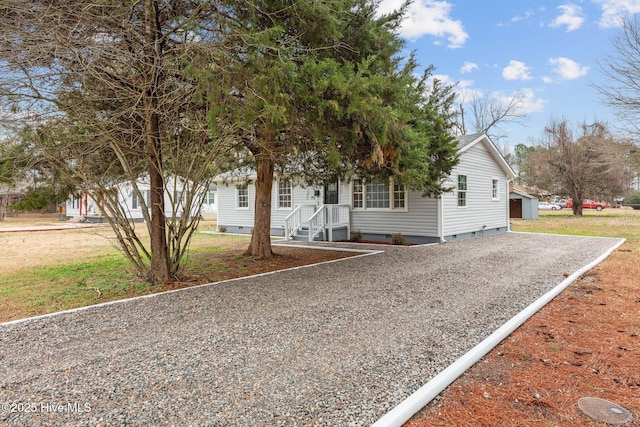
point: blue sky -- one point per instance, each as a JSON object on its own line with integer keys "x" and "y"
{"x": 547, "y": 50}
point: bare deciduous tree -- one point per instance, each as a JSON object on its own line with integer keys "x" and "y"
{"x": 592, "y": 165}
{"x": 105, "y": 91}
{"x": 623, "y": 72}
{"x": 488, "y": 112}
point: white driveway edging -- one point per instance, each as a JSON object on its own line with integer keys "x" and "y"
{"x": 419, "y": 399}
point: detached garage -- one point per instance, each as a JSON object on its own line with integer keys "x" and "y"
{"x": 521, "y": 204}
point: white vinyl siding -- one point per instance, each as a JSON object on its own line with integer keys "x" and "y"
{"x": 418, "y": 218}
{"x": 228, "y": 212}
{"x": 478, "y": 165}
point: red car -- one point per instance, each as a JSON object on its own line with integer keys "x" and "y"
{"x": 588, "y": 204}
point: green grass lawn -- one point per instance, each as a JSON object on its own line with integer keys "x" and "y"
{"x": 77, "y": 281}
{"x": 607, "y": 223}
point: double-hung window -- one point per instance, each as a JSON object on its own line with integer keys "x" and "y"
{"x": 495, "y": 192}
{"x": 135, "y": 202}
{"x": 242, "y": 196}
{"x": 358, "y": 194}
{"x": 284, "y": 194}
{"x": 399, "y": 198}
{"x": 462, "y": 191}
{"x": 210, "y": 198}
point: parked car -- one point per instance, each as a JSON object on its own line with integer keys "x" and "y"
{"x": 549, "y": 206}
{"x": 588, "y": 204}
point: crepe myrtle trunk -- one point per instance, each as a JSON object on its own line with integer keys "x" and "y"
{"x": 260, "y": 245}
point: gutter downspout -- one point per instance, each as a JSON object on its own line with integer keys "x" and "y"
{"x": 508, "y": 206}
{"x": 440, "y": 212}
{"x": 418, "y": 400}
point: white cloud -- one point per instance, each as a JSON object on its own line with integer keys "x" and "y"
{"x": 572, "y": 17}
{"x": 531, "y": 103}
{"x": 614, "y": 10}
{"x": 428, "y": 17}
{"x": 547, "y": 79}
{"x": 516, "y": 70}
{"x": 463, "y": 88}
{"x": 567, "y": 69}
{"x": 468, "y": 67}
{"x": 528, "y": 14}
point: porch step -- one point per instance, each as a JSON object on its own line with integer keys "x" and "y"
{"x": 302, "y": 235}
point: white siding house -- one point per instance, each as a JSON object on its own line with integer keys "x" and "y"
{"x": 478, "y": 204}
{"x": 83, "y": 207}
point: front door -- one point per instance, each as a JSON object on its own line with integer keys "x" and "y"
{"x": 331, "y": 193}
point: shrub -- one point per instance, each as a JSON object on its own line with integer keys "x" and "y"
{"x": 222, "y": 229}
{"x": 398, "y": 239}
{"x": 633, "y": 199}
{"x": 356, "y": 236}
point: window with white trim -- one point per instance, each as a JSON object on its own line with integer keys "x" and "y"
{"x": 242, "y": 196}
{"x": 358, "y": 194}
{"x": 495, "y": 194}
{"x": 284, "y": 194}
{"x": 135, "y": 201}
{"x": 210, "y": 198}
{"x": 462, "y": 191}
{"x": 378, "y": 194}
{"x": 399, "y": 196}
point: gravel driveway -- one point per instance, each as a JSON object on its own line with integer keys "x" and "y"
{"x": 335, "y": 344}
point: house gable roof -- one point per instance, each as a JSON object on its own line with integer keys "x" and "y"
{"x": 465, "y": 142}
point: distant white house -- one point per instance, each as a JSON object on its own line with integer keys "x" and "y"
{"x": 478, "y": 205}
{"x": 82, "y": 206}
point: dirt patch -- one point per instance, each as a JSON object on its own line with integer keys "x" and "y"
{"x": 586, "y": 342}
